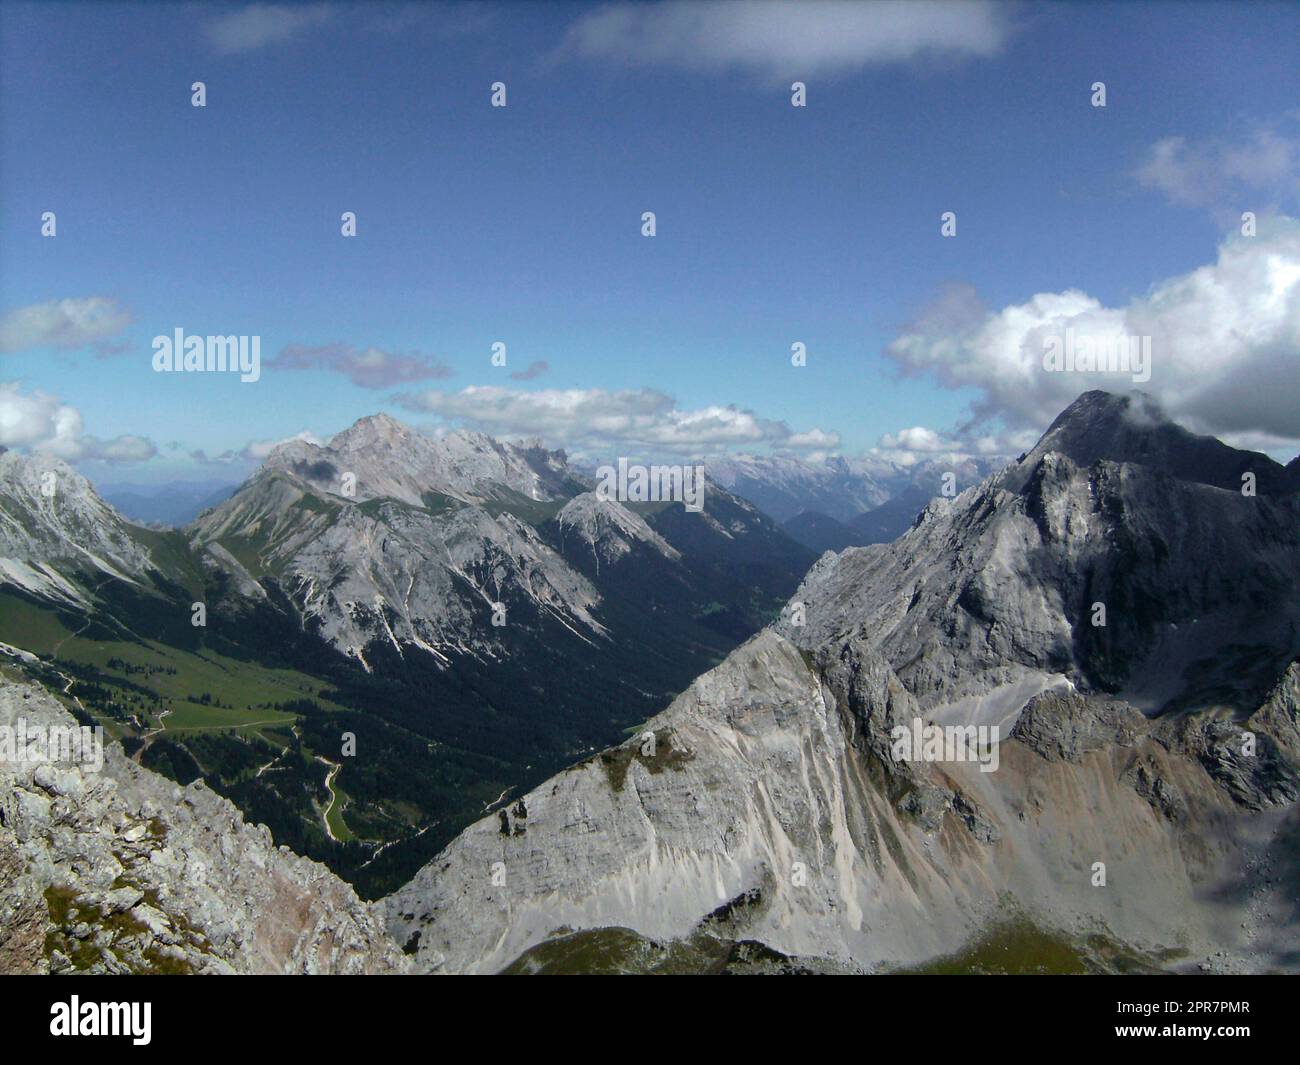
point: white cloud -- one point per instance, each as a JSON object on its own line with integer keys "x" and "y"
{"x": 1210, "y": 173}
{"x": 918, "y": 443}
{"x": 257, "y": 450}
{"x": 918, "y": 438}
{"x": 371, "y": 368}
{"x": 1225, "y": 344}
{"x": 38, "y": 421}
{"x": 818, "y": 439}
{"x": 261, "y": 24}
{"x": 126, "y": 448}
{"x": 786, "y": 39}
{"x": 253, "y": 452}
{"x": 66, "y": 324}
{"x": 598, "y": 420}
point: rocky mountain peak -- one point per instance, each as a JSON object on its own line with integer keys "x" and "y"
{"x": 609, "y": 528}
{"x": 1103, "y": 426}
{"x": 374, "y": 430}
{"x": 1119, "y": 555}
{"x": 54, "y": 525}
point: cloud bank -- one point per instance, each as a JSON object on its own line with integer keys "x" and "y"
{"x": 780, "y": 40}
{"x": 1225, "y": 346}
{"x": 37, "y": 421}
{"x": 253, "y": 452}
{"x": 67, "y": 324}
{"x": 595, "y": 420}
{"x": 368, "y": 368}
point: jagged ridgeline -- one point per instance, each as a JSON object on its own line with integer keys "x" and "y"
{"x": 1120, "y": 604}
{"x": 466, "y": 610}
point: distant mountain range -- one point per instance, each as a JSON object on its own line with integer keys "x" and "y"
{"x": 168, "y": 503}
{"x": 826, "y": 506}
{"x": 842, "y": 502}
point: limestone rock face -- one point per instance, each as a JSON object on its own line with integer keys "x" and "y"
{"x": 608, "y": 529}
{"x": 57, "y": 536}
{"x": 121, "y": 870}
{"x": 999, "y": 587}
{"x": 771, "y": 794}
{"x": 1146, "y": 777}
{"x": 391, "y": 461}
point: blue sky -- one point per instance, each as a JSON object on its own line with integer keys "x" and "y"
{"x": 522, "y": 224}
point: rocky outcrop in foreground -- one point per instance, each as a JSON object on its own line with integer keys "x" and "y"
{"x": 122, "y": 871}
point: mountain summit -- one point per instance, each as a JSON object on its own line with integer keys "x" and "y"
{"x": 1132, "y": 428}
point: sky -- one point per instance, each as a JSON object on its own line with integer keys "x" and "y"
{"x": 522, "y": 225}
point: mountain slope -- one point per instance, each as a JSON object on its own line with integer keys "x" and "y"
{"x": 1004, "y": 581}
{"x": 122, "y": 871}
{"x": 460, "y": 606}
{"x": 773, "y": 804}
{"x": 388, "y": 460}
{"x": 57, "y": 537}
{"x": 820, "y": 532}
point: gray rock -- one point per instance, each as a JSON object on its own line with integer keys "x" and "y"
{"x": 121, "y": 871}
{"x": 772, "y": 792}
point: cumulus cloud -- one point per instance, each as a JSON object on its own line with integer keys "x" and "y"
{"x": 1208, "y": 173}
{"x": 259, "y": 25}
{"x": 534, "y": 370}
{"x": 918, "y": 443}
{"x": 779, "y": 39}
{"x": 1224, "y": 342}
{"x": 368, "y": 368}
{"x": 816, "y": 439}
{"x": 125, "y": 448}
{"x": 66, "y": 324}
{"x": 596, "y": 420}
{"x": 253, "y": 452}
{"x": 38, "y": 421}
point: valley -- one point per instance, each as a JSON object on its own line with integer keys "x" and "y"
{"x": 604, "y": 620}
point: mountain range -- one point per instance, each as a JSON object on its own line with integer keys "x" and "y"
{"x": 1112, "y": 616}
{"x": 1142, "y": 813}
{"x": 845, "y": 502}
{"x": 421, "y": 595}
